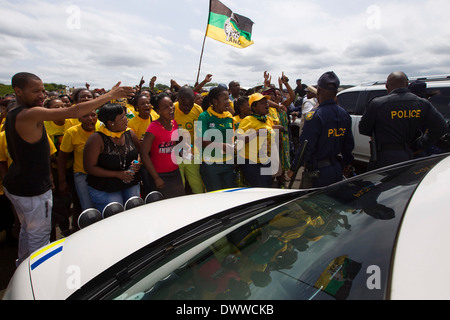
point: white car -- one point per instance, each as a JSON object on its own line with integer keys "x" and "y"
{"x": 380, "y": 235}
{"x": 355, "y": 100}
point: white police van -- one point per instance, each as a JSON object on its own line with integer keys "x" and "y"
{"x": 355, "y": 100}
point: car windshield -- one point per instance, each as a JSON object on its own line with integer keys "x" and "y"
{"x": 336, "y": 243}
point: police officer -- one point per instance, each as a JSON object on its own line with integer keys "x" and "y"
{"x": 328, "y": 130}
{"x": 395, "y": 120}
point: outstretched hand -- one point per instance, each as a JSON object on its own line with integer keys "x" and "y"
{"x": 284, "y": 79}
{"x": 119, "y": 92}
{"x": 267, "y": 79}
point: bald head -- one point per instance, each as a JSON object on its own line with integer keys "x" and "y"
{"x": 186, "y": 99}
{"x": 397, "y": 80}
{"x": 186, "y": 92}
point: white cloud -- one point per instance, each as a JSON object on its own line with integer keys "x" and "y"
{"x": 13, "y": 48}
{"x": 359, "y": 40}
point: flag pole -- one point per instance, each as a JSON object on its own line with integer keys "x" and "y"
{"x": 201, "y": 57}
{"x": 203, "y": 46}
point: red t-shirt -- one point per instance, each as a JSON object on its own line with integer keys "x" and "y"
{"x": 161, "y": 152}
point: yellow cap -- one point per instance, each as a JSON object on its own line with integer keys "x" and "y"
{"x": 256, "y": 97}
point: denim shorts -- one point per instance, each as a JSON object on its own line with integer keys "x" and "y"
{"x": 101, "y": 198}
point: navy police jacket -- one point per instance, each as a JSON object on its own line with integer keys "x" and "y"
{"x": 329, "y": 133}
{"x": 397, "y": 118}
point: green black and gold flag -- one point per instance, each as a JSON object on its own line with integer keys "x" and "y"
{"x": 228, "y": 27}
{"x": 337, "y": 279}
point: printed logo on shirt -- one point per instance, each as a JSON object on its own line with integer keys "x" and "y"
{"x": 166, "y": 147}
{"x": 405, "y": 114}
{"x": 340, "y": 132}
{"x": 309, "y": 115}
{"x": 226, "y": 125}
{"x": 188, "y": 126}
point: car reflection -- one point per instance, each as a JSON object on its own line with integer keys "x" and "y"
{"x": 313, "y": 247}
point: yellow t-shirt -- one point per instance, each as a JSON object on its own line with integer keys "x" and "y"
{"x": 154, "y": 115}
{"x": 53, "y": 149}
{"x": 187, "y": 121}
{"x": 237, "y": 120}
{"x": 273, "y": 114}
{"x": 232, "y": 106}
{"x": 56, "y": 133}
{"x": 73, "y": 122}
{"x": 3, "y": 156}
{"x": 73, "y": 141}
{"x": 256, "y": 147}
{"x": 139, "y": 126}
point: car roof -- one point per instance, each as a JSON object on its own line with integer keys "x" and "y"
{"x": 421, "y": 254}
{"x": 432, "y": 82}
{"x": 112, "y": 239}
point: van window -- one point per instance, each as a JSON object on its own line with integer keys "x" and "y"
{"x": 348, "y": 101}
{"x": 441, "y": 100}
{"x": 376, "y": 94}
{"x": 368, "y": 96}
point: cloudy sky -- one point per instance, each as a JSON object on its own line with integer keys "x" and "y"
{"x": 102, "y": 42}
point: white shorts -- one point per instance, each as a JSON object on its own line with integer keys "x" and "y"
{"x": 35, "y": 216}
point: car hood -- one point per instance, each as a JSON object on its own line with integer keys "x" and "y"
{"x": 421, "y": 254}
{"x": 59, "y": 269}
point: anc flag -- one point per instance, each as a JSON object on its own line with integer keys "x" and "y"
{"x": 228, "y": 27}
{"x": 337, "y": 278}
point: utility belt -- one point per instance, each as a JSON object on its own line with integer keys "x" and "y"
{"x": 312, "y": 169}
{"x": 318, "y": 164}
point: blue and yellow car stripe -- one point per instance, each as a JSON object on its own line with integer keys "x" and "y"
{"x": 228, "y": 190}
{"x": 46, "y": 253}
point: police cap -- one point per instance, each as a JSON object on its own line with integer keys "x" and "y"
{"x": 419, "y": 88}
{"x": 329, "y": 81}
